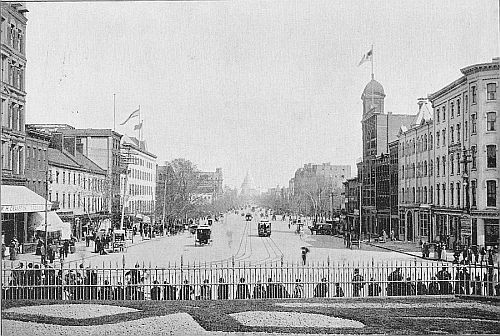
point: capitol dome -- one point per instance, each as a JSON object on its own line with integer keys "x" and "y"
{"x": 375, "y": 88}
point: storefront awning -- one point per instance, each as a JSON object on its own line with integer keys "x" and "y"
{"x": 18, "y": 199}
{"x": 54, "y": 223}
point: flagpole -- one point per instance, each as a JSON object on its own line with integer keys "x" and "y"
{"x": 114, "y": 111}
{"x": 373, "y": 77}
{"x": 139, "y": 124}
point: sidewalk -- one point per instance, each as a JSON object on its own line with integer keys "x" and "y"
{"x": 82, "y": 252}
{"x": 408, "y": 248}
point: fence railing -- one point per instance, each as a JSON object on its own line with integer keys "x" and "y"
{"x": 239, "y": 280}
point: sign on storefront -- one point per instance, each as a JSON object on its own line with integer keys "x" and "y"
{"x": 466, "y": 226}
{"x": 22, "y": 208}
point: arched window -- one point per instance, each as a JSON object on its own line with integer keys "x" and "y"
{"x": 431, "y": 168}
{"x": 444, "y": 165}
{"x": 413, "y": 194}
{"x": 425, "y": 195}
{"x": 430, "y": 141}
{"x": 425, "y": 168}
{"x": 452, "y": 164}
{"x": 425, "y": 142}
{"x": 431, "y": 194}
{"x": 437, "y": 167}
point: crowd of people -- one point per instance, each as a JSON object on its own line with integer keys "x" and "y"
{"x": 45, "y": 282}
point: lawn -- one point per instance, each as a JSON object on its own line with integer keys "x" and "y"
{"x": 423, "y": 315}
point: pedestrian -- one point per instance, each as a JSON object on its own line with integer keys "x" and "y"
{"x": 374, "y": 288}
{"x": 242, "y": 290}
{"x": 259, "y": 291}
{"x": 392, "y": 234}
{"x": 425, "y": 250}
{"x": 43, "y": 255}
{"x": 439, "y": 250}
{"x": 321, "y": 289}
{"x": 298, "y": 291}
{"x": 61, "y": 253}
{"x": 97, "y": 244}
{"x": 169, "y": 291}
{"x": 205, "y": 291}
{"x": 339, "y": 292}
{"x": 475, "y": 252}
{"x": 186, "y": 291}
{"x": 271, "y": 289}
{"x": 106, "y": 292}
{"x": 421, "y": 287}
{"x": 358, "y": 283}
{"x": 433, "y": 287}
{"x": 410, "y": 287}
{"x": 395, "y": 285}
{"x": 50, "y": 252}
{"x": 490, "y": 256}
{"x": 155, "y": 291}
{"x": 222, "y": 290}
{"x": 477, "y": 286}
{"x": 66, "y": 248}
{"x": 482, "y": 252}
{"x": 305, "y": 251}
{"x": 87, "y": 240}
{"x": 444, "y": 278}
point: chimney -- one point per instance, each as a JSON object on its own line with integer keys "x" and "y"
{"x": 79, "y": 148}
{"x": 56, "y": 141}
{"x": 421, "y": 102}
{"x": 69, "y": 144}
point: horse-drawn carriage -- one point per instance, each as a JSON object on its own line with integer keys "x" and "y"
{"x": 203, "y": 235}
{"x": 264, "y": 228}
{"x": 118, "y": 240}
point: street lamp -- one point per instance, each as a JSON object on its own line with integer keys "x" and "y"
{"x": 466, "y": 184}
{"x": 48, "y": 179}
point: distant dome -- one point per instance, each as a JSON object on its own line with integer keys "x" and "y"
{"x": 375, "y": 88}
{"x": 247, "y": 183}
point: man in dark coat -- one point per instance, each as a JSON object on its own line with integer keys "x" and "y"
{"x": 321, "y": 289}
{"x": 242, "y": 290}
{"x": 222, "y": 290}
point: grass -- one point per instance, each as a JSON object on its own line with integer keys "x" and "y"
{"x": 214, "y": 315}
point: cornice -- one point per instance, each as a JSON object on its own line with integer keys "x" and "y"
{"x": 472, "y": 69}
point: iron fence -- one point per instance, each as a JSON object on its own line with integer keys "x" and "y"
{"x": 240, "y": 280}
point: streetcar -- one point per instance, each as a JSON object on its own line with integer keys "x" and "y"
{"x": 264, "y": 228}
{"x": 203, "y": 235}
{"x": 248, "y": 217}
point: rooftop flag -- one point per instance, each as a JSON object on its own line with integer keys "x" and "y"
{"x": 367, "y": 57}
{"x": 138, "y": 126}
{"x": 132, "y": 115}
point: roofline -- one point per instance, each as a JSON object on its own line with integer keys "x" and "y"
{"x": 449, "y": 87}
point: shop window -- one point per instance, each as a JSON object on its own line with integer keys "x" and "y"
{"x": 491, "y": 232}
{"x": 491, "y": 155}
{"x": 491, "y": 193}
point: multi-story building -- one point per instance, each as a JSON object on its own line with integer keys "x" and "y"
{"x": 102, "y": 146}
{"x": 77, "y": 189}
{"x": 394, "y": 187}
{"x": 141, "y": 177}
{"x": 378, "y": 129}
{"x": 208, "y": 185}
{"x": 36, "y": 167}
{"x": 13, "y": 94}
{"x": 416, "y": 164}
{"x": 351, "y": 193}
{"x": 319, "y": 187}
{"x": 466, "y": 127}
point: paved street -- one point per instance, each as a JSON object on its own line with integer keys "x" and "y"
{"x": 235, "y": 237}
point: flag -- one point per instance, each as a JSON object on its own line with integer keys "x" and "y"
{"x": 366, "y": 57}
{"x": 138, "y": 126}
{"x": 132, "y": 115}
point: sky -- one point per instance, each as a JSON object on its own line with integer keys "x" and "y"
{"x": 258, "y": 86}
